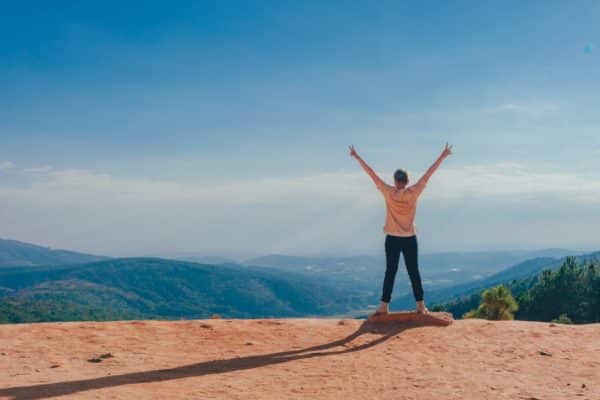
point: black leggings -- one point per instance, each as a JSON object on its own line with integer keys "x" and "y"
{"x": 394, "y": 245}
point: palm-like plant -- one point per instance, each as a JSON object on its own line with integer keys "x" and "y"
{"x": 497, "y": 303}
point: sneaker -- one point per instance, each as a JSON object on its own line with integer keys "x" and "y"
{"x": 421, "y": 308}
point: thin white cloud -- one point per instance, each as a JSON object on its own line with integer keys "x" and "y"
{"x": 327, "y": 211}
{"x": 6, "y": 165}
{"x": 39, "y": 170}
{"x": 534, "y": 109}
{"x": 515, "y": 180}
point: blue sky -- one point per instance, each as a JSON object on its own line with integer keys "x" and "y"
{"x": 222, "y": 127}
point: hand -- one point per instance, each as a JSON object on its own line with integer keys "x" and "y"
{"x": 353, "y": 152}
{"x": 447, "y": 150}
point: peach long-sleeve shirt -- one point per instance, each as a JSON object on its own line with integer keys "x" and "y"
{"x": 401, "y": 207}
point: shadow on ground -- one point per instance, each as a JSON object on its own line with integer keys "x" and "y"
{"x": 42, "y": 391}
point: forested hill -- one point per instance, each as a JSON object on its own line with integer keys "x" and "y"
{"x": 158, "y": 288}
{"x": 14, "y": 253}
{"x": 528, "y": 268}
{"x": 568, "y": 294}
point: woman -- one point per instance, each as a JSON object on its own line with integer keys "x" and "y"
{"x": 401, "y": 237}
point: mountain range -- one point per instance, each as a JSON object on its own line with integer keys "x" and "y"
{"x": 518, "y": 272}
{"x": 42, "y": 284}
{"x": 157, "y": 288}
{"x": 14, "y": 253}
{"x": 364, "y": 273}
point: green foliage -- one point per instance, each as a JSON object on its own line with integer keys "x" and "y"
{"x": 573, "y": 290}
{"x": 466, "y": 296}
{"x": 157, "y": 288}
{"x": 497, "y": 303}
{"x": 51, "y": 310}
{"x": 563, "y": 319}
{"x": 463, "y": 304}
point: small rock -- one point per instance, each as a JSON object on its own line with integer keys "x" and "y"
{"x": 205, "y": 326}
{"x": 341, "y": 322}
{"x": 583, "y": 385}
{"x": 54, "y": 366}
{"x": 543, "y": 353}
{"x": 100, "y": 358}
{"x": 249, "y": 344}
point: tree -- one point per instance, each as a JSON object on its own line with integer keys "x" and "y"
{"x": 573, "y": 289}
{"x": 497, "y": 303}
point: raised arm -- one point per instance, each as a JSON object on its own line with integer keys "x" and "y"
{"x": 445, "y": 153}
{"x": 365, "y": 166}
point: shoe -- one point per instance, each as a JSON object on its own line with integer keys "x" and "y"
{"x": 379, "y": 313}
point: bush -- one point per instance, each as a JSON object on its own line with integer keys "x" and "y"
{"x": 497, "y": 303}
{"x": 563, "y": 319}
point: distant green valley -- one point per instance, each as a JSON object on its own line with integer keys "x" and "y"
{"x": 157, "y": 288}
{"x": 40, "y": 284}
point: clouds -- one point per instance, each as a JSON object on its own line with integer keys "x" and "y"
{"x": 330, "y": 211}
{"x": 533, "y": 109}
{"x": 494, "y": 181}
{"x": 38, "y": 170}
{"x": 6, "y": 165}
{"x": 269, "y": 96}
{"x": 516, "y": 181}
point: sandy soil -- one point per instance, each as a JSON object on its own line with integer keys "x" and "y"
{"x": 299, "y": 359}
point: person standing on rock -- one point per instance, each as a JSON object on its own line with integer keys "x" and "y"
{"x": 401, "y": 237}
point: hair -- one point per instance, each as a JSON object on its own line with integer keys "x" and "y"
{"x": 401, "y": 176}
